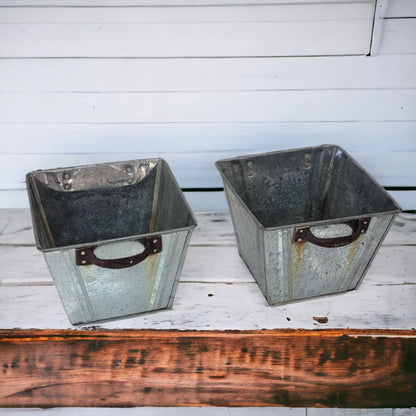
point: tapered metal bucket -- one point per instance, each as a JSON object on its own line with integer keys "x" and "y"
{"x": 114, "y": 235}
{"x": 308, "y": 221}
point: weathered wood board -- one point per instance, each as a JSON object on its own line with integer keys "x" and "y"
{"x": 306, "y": 356}
{"x": 344, "y": 368}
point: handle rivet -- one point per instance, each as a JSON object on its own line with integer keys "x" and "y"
{"x": 128, "y": 169}
{"x": 154, "y": 250}
{"x": 301, "y": 231}
{"x": 249, "y": 163}
{"x": 155, "y": 241}
{"x": 362, "y": 231}
{"x": 67, "y": 186}
{"x": 131, "y": 261}
{"x": 365, "y": 222}
{"x": 67, "y": 176}
{"x": 130, "y": 180}
{"x": 82, "y": 253}
{"x": 299, "y": 239}
{"x": 84, "y": 261}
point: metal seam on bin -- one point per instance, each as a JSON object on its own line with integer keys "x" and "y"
{"x": 139, "y": 199}
{"x": 349, "y": 207}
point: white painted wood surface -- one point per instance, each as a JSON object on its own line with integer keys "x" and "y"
{"x": 199, "y": 75}
{"x": 155, "y": 3}
{"x": 213, "y": 284}
{"x": 401, "y": 8}
{"x": 61, "y": 112}
{"x": 202, "y": 165}
{"x": 189, "y": 32}
{"x": 28, "y": 299}
{"x": 35, "y": 144}
{"x": 399, "y": 36}
{"x": 211, "y": 107}
{"x": 261, "y": 12}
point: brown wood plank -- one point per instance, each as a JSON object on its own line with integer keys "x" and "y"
{"x": 335, "y": 367}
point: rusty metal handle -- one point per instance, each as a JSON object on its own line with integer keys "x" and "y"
{"x": 359, "y": 227}
{"x": 85, "y": 256}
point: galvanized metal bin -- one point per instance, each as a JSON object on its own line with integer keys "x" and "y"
{"x": 114, "y": 235}
{"x": 308, "y": 221}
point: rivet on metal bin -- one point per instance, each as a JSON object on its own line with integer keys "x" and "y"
{"x": 304, "y": 229}
{"x": 113, "y": 250}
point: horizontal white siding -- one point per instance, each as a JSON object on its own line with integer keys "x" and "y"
{"x": 213, "y": 107}
{"x": 400, "y": 8}
{"x": 263, "y": 30}
{"x": 161, "y": 3}
{"x": 196, "y": 169}
{"x": 289, "y": 13}
{"x": 187, "y": 75}
{"x": 115, "y": 138}
{"x": 399, "y": 36}
{"x": 135, "y": 91}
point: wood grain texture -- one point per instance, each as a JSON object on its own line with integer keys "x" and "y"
{"x": 341, "y": 368}
{"x": 216, "y": 290}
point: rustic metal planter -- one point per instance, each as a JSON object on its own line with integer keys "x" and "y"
{"x": 114, "y": 235}
{"x": 308, "y": 221}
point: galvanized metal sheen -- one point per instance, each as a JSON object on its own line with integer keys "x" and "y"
{"x": 308, "y": 221}
{"x": 114, "y": 235}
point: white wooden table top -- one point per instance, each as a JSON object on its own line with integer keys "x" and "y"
{"x": 216, "y": 290}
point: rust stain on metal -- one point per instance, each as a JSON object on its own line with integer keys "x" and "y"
{"x": 353, "y": 247}
{"x": 298, "y": 251}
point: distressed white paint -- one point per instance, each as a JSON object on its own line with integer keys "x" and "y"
{"x": 388, "y": 70}
{"x": 213, "y": 267}
{"x": 361, "y": 412}
{"x": 208, "y": 411}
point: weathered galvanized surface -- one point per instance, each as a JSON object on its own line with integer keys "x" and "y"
{"x": 114, "y": 236}
{"x": 308, "y": 221}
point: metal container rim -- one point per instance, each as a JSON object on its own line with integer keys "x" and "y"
{"x": 273, "y": 152}
{"x": 313, "y": 223}
{"x": 90, "y": 165}
{"x": 129, "y": 237}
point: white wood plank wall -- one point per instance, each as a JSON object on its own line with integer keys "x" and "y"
{"x": 195, "y": 81}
